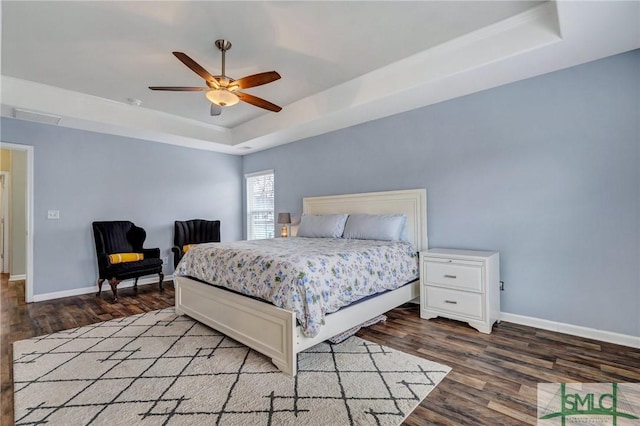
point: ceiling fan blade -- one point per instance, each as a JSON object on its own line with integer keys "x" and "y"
{"x": 259, "y": 102}
{"x": 257, "y": 79}
{"x": 195, "y": 67}
{"x": 179, "y": 89}
{"x": 216, "y": 109}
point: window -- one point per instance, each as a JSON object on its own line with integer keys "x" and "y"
{"x": 260, "y": 205}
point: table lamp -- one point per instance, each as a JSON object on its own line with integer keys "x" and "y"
{"x": 284, "y": 219}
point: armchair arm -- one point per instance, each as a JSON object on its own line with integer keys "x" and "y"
{"x": 177, "y": 255}
{"x": 103, "y": 262}
{"x": 152, "y": 253}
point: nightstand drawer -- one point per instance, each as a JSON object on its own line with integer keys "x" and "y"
{"x": 462, "y": 275}
{"x": 454, "y": 301}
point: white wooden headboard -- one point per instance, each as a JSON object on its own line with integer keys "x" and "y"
{"x": 412, "y": 202}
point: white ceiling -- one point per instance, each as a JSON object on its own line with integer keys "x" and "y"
{"x": 342, "y": 63}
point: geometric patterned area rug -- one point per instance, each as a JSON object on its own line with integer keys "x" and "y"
{"x": 159, "y": 368}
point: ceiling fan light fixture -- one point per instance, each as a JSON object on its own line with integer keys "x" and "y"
{"x": 222, "y": 97}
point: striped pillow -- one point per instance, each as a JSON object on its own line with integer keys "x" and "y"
{"x": 125, "y": 257}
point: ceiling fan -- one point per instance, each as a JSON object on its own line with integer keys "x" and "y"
{"x": 222, "y": 90}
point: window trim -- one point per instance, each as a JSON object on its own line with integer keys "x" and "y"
{"x": 247, "y": 178}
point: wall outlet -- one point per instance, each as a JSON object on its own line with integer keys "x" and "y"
{"x": 165, "y": 260}
{"x": 53, "y": 214}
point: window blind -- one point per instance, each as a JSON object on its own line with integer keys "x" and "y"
{"x": 260, "y": 205}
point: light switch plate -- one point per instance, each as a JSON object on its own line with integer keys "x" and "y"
{"x": 53, "y": 214}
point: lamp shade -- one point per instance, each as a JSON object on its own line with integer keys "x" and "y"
{"x": 284, "y": 218}
{"x": 222, "y": 97}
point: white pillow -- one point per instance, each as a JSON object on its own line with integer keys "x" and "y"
{"x": 385, "y": 227}
{"x": 322, "y": 226}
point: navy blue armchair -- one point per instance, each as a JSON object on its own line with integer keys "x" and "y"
{"x": 121, "y": 255}
{"x": 195, "y": 231}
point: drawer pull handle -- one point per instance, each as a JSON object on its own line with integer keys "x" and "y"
{"x": 451, "y": 276}
{"x": 452, "y": 302}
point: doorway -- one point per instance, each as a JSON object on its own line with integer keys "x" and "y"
{"x": 27, "y": 176}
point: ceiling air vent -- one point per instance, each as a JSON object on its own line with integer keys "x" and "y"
{"x": 38, "y": 117}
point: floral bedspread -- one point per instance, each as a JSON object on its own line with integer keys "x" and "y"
{"x": 310, "y": 276}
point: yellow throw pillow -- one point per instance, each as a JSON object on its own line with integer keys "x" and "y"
{"x": 125, "y": 257}
{"x": 187, "y": 247}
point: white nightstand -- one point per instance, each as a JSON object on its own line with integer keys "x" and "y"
{"x": 462, "y": 285}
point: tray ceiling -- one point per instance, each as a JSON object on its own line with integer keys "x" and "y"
{"x": 342, "y": 63}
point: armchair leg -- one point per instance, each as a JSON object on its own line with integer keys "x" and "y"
{"x": 135, "y": 284}
{"x": 114, "y": 288}
{"x": 100, "y": 281}
{"x": 161, "y": 279}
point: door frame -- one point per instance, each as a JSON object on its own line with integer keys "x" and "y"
{"x": 5, "y": 214}
{"x": 28, "y": 282}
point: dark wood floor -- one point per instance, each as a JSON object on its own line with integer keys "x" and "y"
{"x": 493, "y": 379}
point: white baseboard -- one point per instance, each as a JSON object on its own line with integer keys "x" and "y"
{"x": 575, "y": 330}
{"x": 17, "y": 277}
{"x": 94, "y": 289}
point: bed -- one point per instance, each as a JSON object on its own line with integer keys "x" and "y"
{"x": 275, "y": 332}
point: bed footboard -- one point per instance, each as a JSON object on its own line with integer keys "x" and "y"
{"x": 261, "y": 326}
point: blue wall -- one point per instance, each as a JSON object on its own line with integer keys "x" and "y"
{"x": 90, "y": 176}
{"x": 546, "y": 171}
